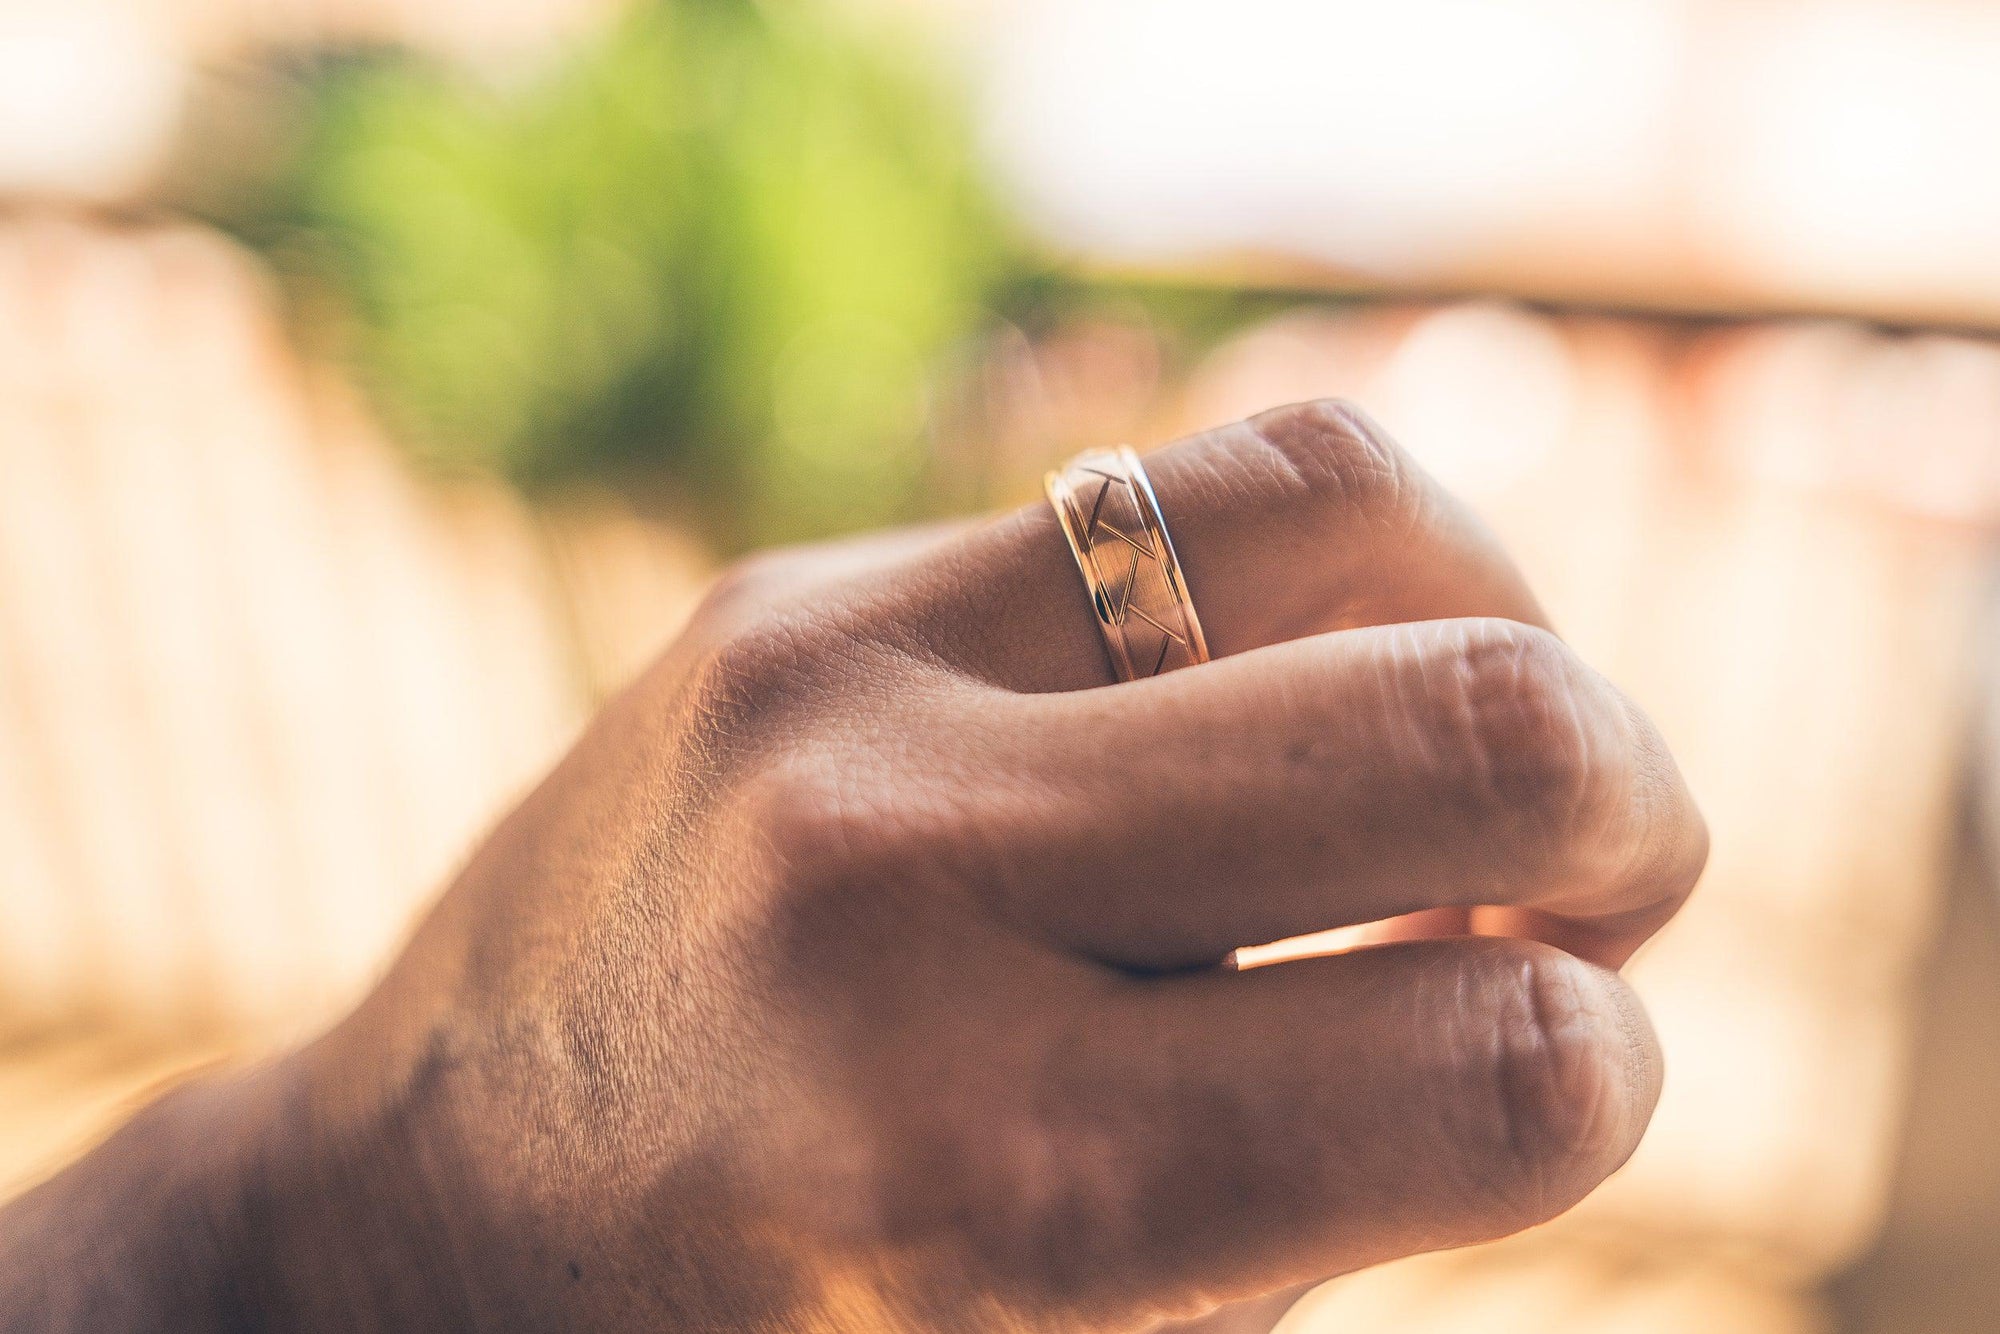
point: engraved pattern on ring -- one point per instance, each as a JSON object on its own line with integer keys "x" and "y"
{"x": 1115, "y": 530}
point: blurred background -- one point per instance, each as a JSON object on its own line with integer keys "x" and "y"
{"x": 382, "y": 380}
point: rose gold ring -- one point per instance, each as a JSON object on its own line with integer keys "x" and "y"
{"x": 1112, "y": 520}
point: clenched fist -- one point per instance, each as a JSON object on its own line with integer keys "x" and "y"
{"x": 861, "y": 967}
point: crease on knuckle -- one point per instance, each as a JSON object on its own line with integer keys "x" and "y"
{"x": 1543, "y": 1080}
{"x": 1533, "y": 745}
{"x": 1327, "y": 450}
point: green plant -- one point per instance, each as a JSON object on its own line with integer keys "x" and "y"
{"x": 725, "y": 240}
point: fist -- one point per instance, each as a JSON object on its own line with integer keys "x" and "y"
{"x": 861, "y": 968}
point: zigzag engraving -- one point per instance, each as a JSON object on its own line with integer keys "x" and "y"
{"x": 1122, "y": 602}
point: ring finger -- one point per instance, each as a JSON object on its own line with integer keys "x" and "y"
{"x": 1297, "y": 521}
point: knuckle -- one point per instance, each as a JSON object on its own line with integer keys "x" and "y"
{"x": 1058, "y": 1212}
{"x": 748, "y": 589}
{"x": 772, "y": 637}
{"x": 1551, "y": 1081}
{"x": 1038, "y": 1172}
{"x": 754, "y": 675}
{"x": 1329, "y": 450}
{"x": 812, "y": 819}
{"x": 1042, "y": 1205}
{"x": 852, "y": 851}
{"x": 1532, "y": 738}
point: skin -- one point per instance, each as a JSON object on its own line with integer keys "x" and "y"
{"x": 857, "y": 970}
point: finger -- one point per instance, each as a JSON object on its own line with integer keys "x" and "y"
{"x": 1232, "y": 1134}
{"x": 1338, "y": 780}
{"x": 1300, "y": 520}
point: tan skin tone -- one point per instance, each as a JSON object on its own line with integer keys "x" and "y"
{"x": 857, "y": 970}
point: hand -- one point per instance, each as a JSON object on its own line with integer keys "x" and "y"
{"x": 857, "y": 970}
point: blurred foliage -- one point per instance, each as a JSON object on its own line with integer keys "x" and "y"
{"x": 728, "y": 239}
{"x": 740, "y": 249}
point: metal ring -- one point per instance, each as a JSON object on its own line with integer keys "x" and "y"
{"x": 1137, "y": 591}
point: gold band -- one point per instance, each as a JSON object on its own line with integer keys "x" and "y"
{"x": 1112, "y": 520}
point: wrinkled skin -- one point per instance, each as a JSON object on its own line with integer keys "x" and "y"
{"x": 858, "y": 968}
